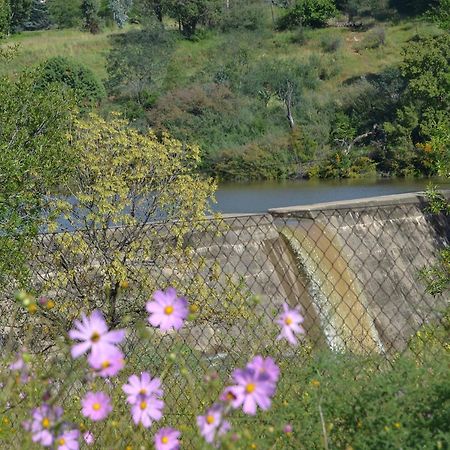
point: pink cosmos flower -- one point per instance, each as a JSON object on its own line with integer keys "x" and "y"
{"x": 167, "y": 439}
{"x": 167, "y": 311}
{"x": 137, "y": 388}
{"x": 212, "y": 424}
{"x": 251, "y": 390}
{"x": 290, "y": 320}
{"x": 43, "y": 419}
{"x": 265, "y": 366}
{"x": 68, "y": 440}
{"x": 147, "y": 410}
{"x": 88, "y": 438}
{"x": 19, "y": 365}
{"x": 107, "y": 361}
{"x": 96, "y": 406}
{"x": 94, "y": 334}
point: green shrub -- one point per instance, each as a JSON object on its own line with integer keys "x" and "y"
{"x": 5, "y": 15}
{"x": 243, "y": 15}
{"x": 65, "y": 14}
{"x": 267, "y": 160}
{"x": 313, "y": 13}
{"x": 374, "y": 39}
{"x": 300, "y": 36}
{"x": 88, "y": 89}
{"x": 330, "y": 43}
{"x": 342, "y": 164}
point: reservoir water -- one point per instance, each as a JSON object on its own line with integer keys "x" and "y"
{"x": 259, "y": 197}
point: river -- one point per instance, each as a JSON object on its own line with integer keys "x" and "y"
{"x": 258, "y": 197}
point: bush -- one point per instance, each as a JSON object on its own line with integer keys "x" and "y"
{"x": 270, "y": 159}
{"x": 243, "y": 15}
{"x": 88, "y": 89}
{"x": 341, "y": 164}
{"x": 374, "y": 39}
{"x": 65, "y": 14}
{"x": 300, "y": 36}
{"x": 313, "y": 13}
{"x": 330, "y": 43}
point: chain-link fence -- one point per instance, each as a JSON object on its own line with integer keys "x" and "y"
{"x": 353, "y": 270}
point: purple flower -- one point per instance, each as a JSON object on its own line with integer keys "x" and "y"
{"x": 137, "y": 388}
{"x": 287, "y": 428}
{"x": 94, "y": 334}
{"x": 96, "y": 406}
{"x": 167, "y": 311}
{"x": 290, "y": 321}
{"x": 68, "y": 440}
{"x": 146, "y": 410}
{"x": 212, "y": 425}
{"x": 167, "y": 439}
{"x": 88, "y": 438}
{"x": 43, "y": 419}
{"x": 265, "y": 366}
{"x": 19, "y": 365}
{"x": 251, "y": 390}
{"x": 107, "y": 361}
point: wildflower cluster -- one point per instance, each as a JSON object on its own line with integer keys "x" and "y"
{"x": 250, "y": 388}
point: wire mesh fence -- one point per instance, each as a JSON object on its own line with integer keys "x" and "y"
{"x": 353, "y": 271}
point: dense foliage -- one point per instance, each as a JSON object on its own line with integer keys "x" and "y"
{"x": 80, "y": 79}
{"x": 265, "y": 103}
{"x": 35, "y": 159}
{"x": 313, "y": 13}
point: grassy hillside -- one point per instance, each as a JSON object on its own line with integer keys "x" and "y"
{"x": 37, "y": 46}
{"x": 219, "y": 91}
{"x": 191, "y": 56}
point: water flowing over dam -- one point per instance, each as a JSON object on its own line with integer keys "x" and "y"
{"x": 353, "y": 267}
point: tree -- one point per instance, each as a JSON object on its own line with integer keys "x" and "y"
{"x": 147, "y": 8}
{"x": 39, "y": 18}
{"x": 120, "y": 10}
{"x": 5, "y": 18}
{"x": 35, "y": 159}
{"x": 65, "y": 14}
{"x": 313, "y": 13}
{"x": 441, "y": 14}
{"x": 20, "y": 12}
{"x": 87, "y": 89}
{"x": 137, "y": 61}
{"x": 420, "y": 127}
{"x": 89, "y": 11}
{"x": 189, "y": 13}
{"x": 124, "y": 179}
{"x": 353, "y": 8}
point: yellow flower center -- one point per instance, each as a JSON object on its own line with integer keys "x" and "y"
{"x": 143, "y": 405}
{"x": 250, "y": 388}
{"x": 62, "y": 441}
{"x": 105, "y": 364}
{"x": 230, "y": 396}
{"x": 96, "y": 406}
{"x": 143, "y": 392}
{"x": 288, "y": 320}
{"x": 45, "y": 422}
{"x": 95, "y": 337}
{"x": 164, "y": 439}
{"x": 209, "y": 419}
{"x": 168, "y": 310}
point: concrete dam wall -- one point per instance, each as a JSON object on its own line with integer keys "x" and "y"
{"x": 352, "y": 266}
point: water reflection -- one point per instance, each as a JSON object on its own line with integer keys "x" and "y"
{"x": 259, "y": 197}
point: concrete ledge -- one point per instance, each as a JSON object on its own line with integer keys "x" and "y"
{"x": 385, "y": 200}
